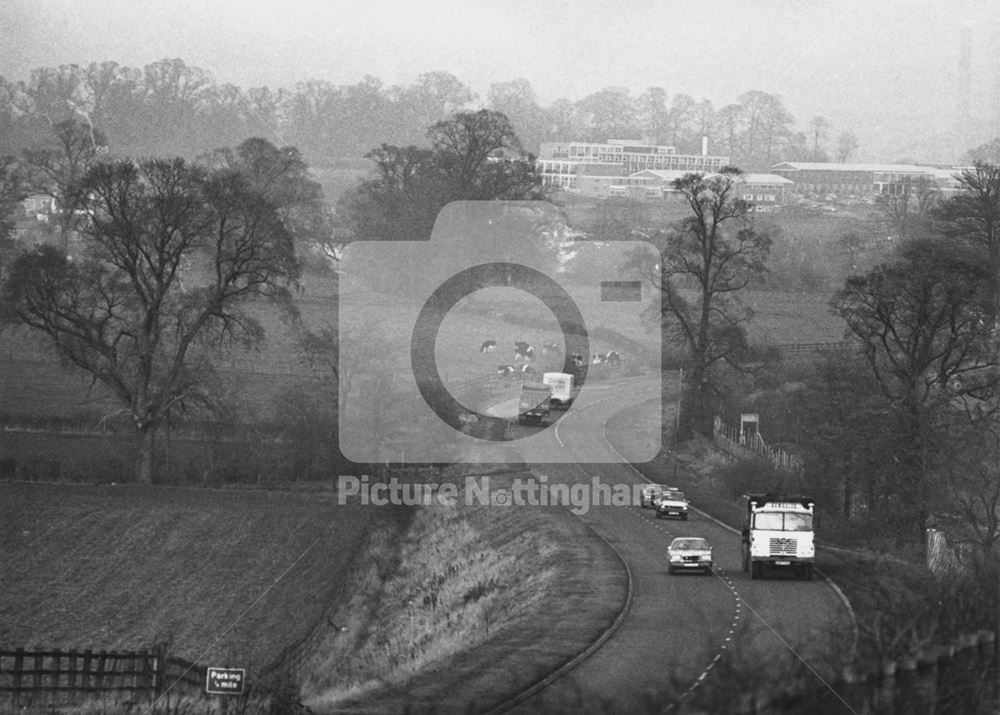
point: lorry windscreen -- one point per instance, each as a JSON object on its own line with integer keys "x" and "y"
{"x": 778, "y": 521}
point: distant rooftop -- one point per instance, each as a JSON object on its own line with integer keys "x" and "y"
{"x": 766, "y": 179}
{"x": 830, "y": 166}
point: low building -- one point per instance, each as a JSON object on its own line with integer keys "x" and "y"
{"x": 38, "y": 207}
{"x": 861, "y": 179}
{"x": 767, "y": 192}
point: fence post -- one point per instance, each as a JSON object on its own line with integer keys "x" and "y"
{"x": 39, "y": 679}
{"x": 143, "y": 674}
{"x": 102, "y": 662}
{"x": 72, "y": 668}
{"x": 159, "y": 669}
{"x": 88, "y": 674}
{"x": 18, "y": 669}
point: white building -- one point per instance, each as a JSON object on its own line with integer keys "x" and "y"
{"x": 767, "y": 192}
{"x": 560, "y": 163}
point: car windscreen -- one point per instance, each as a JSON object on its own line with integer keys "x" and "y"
{"x": 778, "y": 521}
{"x": 690, "y": 545}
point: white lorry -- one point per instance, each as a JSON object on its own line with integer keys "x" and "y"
{"x": 778, "y": 533}
{"x": 562, "y": 389}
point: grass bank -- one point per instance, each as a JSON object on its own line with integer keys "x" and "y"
{"x": 477, "y": 604}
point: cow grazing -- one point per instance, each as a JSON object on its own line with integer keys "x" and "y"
{"x": 527, "y": 372}
{"x": 523, "y": 352}
{"x": 611, "y": 357}
{"x": 506, "y": 371}
{"x": 488, "y": 346}
{"x": 576, "y": 359}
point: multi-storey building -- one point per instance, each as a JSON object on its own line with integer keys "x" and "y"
{"x": 560, "y": 163}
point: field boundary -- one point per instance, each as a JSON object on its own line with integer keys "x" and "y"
{"x": 56, "y": 672}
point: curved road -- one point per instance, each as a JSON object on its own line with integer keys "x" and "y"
{"x": 678, "y": 627}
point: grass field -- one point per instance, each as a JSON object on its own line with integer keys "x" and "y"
{"x": 781, "y": 317}
{"x": 231, "y": 576}
{"x": 33, "y": 384}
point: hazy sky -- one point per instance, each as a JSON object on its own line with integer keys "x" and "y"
{"x": 838, "y": 57}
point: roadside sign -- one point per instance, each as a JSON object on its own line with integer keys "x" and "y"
{"x": 225, "y": 681}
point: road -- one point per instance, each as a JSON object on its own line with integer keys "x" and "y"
{"x": 678, "y": 627}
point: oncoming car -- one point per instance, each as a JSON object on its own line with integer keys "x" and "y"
{"x": 671, "y": 503}
{"x": 689, "y": 553}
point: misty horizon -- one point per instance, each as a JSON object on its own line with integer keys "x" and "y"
{"x": 889, "y": 73}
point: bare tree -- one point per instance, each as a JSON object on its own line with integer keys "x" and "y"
{"x": 475, "y": 156}
{"x": 820, "y": 126}
{"x": 682, "y": 109}
{"x": 847, "y": 143}
{"x": 12, "y": 191}
{"x": 973, "y": 216}
{"x": 653, "y": 115}
{"x": 610, "y": 113}
{"x": 705, "y": 260}
{"x": 122, "y": 313}
{"x": 905, "y": 212}
{"x": 921, "y": 322}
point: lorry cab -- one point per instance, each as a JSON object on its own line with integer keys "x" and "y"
{"x": 778, "y": 534}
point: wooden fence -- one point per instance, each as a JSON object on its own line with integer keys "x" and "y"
{"x": 67, "y": 675}
{"x": 754, "y": 448}
{"x": 946, "y": 557}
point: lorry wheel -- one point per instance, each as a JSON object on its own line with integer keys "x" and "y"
{"x": 754, "y": 571}
{"x": 684, "y": 517}
{"x": 808, "y": 575}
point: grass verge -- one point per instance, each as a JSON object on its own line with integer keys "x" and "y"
{"x": 479, "y": 603}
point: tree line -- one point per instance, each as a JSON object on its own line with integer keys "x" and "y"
{"x": 169, "y": 108}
